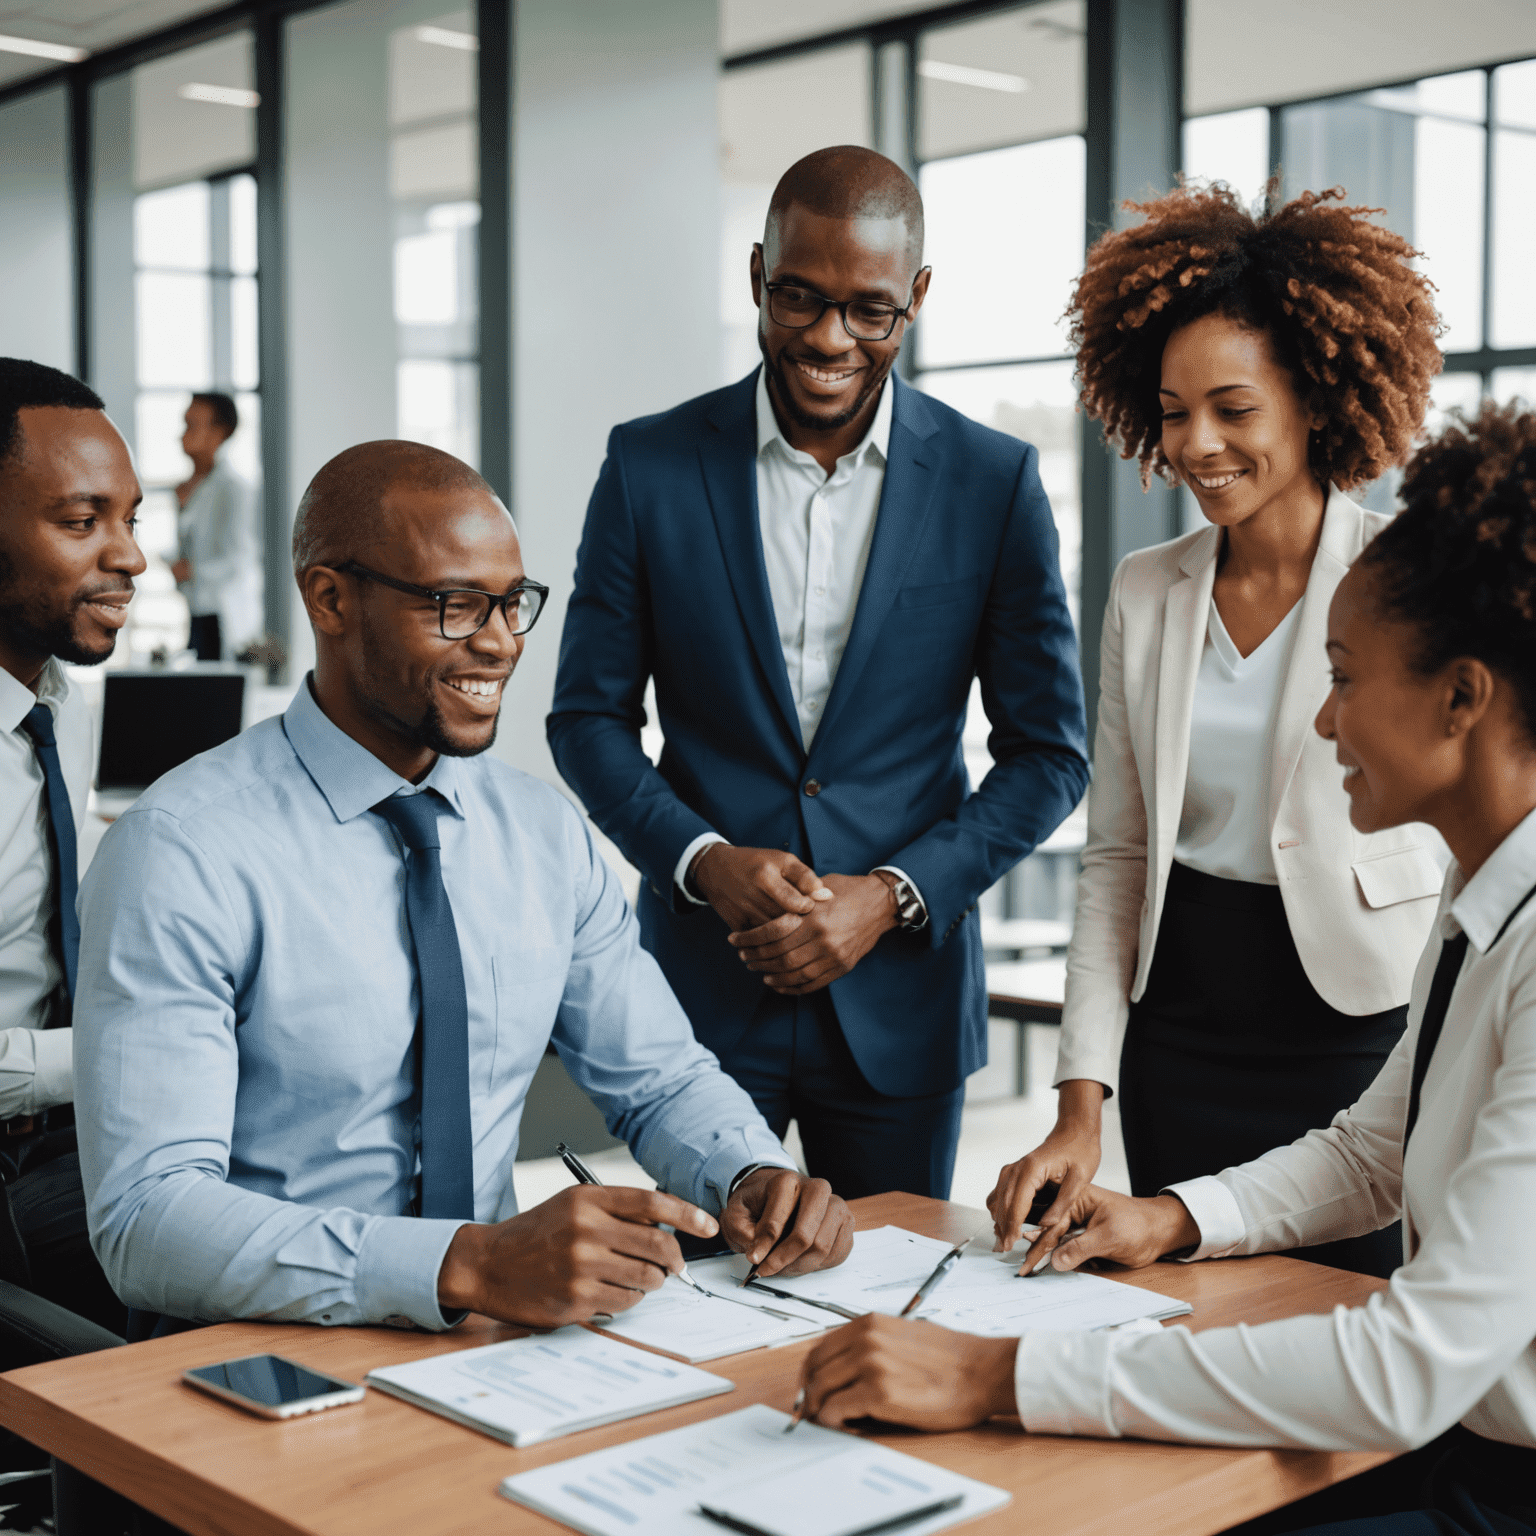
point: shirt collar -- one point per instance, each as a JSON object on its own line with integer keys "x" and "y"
{"x": 876, "y": 440}
{"x": 350, "y": 777}
{"x": 1482, "y": 905}
{"x": 17, "y": 701}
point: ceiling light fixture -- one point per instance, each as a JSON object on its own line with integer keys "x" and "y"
{"x": 30, "y": 45}
{"x": 465, "y": 42}
{"x": 963, "y": 74}
{"x": 220, "y": 95}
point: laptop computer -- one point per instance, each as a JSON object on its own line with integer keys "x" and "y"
{"x": 153, "y": 721}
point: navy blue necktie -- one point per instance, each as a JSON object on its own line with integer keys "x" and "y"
{"x": 447, "y": 1144}
{"x": 61, "y": 825}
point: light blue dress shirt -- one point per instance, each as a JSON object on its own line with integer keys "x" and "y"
{"x": 243, "y": 1034}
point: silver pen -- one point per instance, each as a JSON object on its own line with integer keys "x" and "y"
{"x": 943, "y": 1267}
{"x": 584, "y": 1175}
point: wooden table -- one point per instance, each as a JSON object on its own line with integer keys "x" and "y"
{"x": 124, "y": 1417}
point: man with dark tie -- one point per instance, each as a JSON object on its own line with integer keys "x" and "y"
{"x": 320, "y": 964}
{"x": 68, "y": 500}
{"x": 814, "y": 565}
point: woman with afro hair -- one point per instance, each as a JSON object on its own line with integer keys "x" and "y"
{"x": 1432, "y": 715}
{"x": 1241, "y": 958}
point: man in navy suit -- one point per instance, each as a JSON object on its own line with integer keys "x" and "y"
{"x": 813, "y": 565}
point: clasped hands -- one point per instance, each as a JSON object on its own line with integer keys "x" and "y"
{"x": 800, "y": 930}
{"x": 597, "y": 1248}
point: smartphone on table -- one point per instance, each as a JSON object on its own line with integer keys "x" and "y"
{"x": 272, "y": 1386}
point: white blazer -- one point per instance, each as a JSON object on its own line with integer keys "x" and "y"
{"x": 1359, "y": 905}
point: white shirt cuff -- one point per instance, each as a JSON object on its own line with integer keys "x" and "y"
{"x": 398, "y": 1263}
{"x": 680, "y": 874}
{"x": 1216, "y": 1213}
{"x": 901, "y": 874}
{"x": 53, "y": 1080}
{"x": 1059, "y": 1384}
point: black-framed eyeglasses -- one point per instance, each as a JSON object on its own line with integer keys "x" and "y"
{"x": 465, "y": 611}
{"x": 797, "y": 308}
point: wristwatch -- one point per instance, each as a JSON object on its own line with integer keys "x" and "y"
{"x": 911, "y": 914}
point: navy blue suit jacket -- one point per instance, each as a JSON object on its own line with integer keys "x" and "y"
{"x": 963, "y": 581}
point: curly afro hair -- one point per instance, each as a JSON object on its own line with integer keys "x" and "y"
{"x": 1347, "y": 315}
{"x": 1459, "y": 562}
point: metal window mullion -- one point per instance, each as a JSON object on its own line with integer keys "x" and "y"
{"x": 220, "y": 303}
{"x": 271, "y": 322}
{"x": 496, "y": 27}
{"x": 1488, "y": 175}
{"x": 78, "y": 98}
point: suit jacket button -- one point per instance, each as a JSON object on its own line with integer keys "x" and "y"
{"x": 813, "y": 787}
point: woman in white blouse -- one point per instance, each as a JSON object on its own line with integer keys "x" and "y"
{"x": 1241, "y": 958}
{"x": 1432, "y": 716}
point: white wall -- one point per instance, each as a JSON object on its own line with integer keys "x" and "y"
{"x": 36, "y": 262}
{"x": 616, "y": 190}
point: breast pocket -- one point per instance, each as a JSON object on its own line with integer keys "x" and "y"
{"x": 1406, "y": 875}
{"x": 529, "y": 983}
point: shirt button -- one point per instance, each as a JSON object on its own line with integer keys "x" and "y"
{"x": 821, "y": 591}
{"x": 811, "y": 704}
{"x": 813, "y": 787}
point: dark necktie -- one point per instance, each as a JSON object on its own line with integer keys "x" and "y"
{"x": 1452, "y": 953}
{"x": 61, "y": 834}
{"x": 447, "y": 1145}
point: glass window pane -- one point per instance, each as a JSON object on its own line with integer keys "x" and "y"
{"x": 1515, "y": 383}
{"x": 1005, "y": 240}
{"x": 1038, "y": 403}
{"x": 1514, "y": 205}
{"x": 1451, "y": 392}
{"x": 173, "y": 330}
{"x": 1448, "y": 181}
{"x": 242, "y": 224}
{"x": 170, "y": 228}
{"x": 36, "y": 231}
{"x": 244, "y": 367}
{"x": 432, "y": 68}
{"x": 759, "y": 141}
{"x": 1002, "y": 79}
{"x": 1405, "y": 151}
{"x": 159, "y": 425}
{"x": 1232, "y": 147}
{"x": 194, "y": 112}
{"x": 426, "y": 279}
{"x": 243, "y": 450}
{"x": 439, "y": 403}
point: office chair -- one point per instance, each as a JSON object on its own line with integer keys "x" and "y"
{"x": 33, "y": 1330}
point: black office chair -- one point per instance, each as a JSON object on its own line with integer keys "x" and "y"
{"x": 33, "y": 1330}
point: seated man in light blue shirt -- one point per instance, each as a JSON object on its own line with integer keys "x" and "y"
{"x": 319, "y": 966}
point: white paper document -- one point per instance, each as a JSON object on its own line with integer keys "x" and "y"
{"x": 982, "y": 1294}
{"x": 815, "y": 1482}
{"x": 533, "y": 1389}
{"x": 680, "y": 1321}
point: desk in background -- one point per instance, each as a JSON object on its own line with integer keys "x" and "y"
{"x": 124, "y": 1418}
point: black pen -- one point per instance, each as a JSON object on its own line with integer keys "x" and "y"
{"x": 943, "y": 1267}
{"x": 584, "y": 1175}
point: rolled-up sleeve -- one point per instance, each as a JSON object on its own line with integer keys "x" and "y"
{"x": 157, "y": 1074}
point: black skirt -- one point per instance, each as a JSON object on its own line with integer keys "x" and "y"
{"x": 1231, "y": 1052}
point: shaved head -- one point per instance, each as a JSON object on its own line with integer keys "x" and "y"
{"x": 343, "y": 515}
{"x": 848, "y": 182}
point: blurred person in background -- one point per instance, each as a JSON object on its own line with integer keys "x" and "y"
{"x": 219, "y": 567}
{"x": 69, "y": 501}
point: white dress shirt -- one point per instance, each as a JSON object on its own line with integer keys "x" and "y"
{"x": 218, "y": 534}
{"x": 816, "y": 531}
{"x": 1224, "y": 829}
{"x": 35, "y": 1063}
{"x": 1453, "y": 1338}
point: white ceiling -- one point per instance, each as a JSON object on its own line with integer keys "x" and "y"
{"x": 1240, "y": 51}
{"x": 92, "y": 24}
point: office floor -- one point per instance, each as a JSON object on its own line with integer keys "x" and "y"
{"x": 995, "y": 1128}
